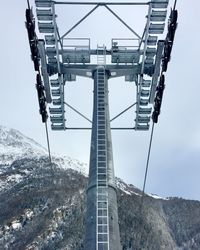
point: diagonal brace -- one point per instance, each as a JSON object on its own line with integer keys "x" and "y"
{"x": 80, "y": 21}
{"x": 122, "y": 21}
{"x": 75, "y": 110}
{"x": 123, "y": 112}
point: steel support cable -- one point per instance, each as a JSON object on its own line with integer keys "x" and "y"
{"x": 147, "y": 167}
{"x": 28, "y": 4}
{"x": 140, "y": 206}
{"x": 52, "y": 172}
{"x": 48, "y": 143}
{"x": 175, "y": 2}
{"x": 47, "y": 135}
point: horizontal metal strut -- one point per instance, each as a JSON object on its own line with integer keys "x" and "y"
{"x": 120, "y": 128}
{"x": 102, "y": 3}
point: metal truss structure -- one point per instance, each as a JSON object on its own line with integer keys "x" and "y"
{"x": 63, "y": 58}
{"x": 141, "y": 59}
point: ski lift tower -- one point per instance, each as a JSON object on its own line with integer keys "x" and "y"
{"x": 60, "y": 59}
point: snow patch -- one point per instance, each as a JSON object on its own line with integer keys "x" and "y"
{"x": 16, "y": 225}
{"x": 155, "y": 196}
{"x": 14, "y": 178}
{"x": 66, "y": 162}
{"x": 29, "y": 214}
{"x": 14, "y": 145}
{"x": 124, "y": 187}
{"x": 8, "y": 181}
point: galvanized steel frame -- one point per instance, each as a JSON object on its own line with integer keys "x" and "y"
{"x": 119, "y": 71}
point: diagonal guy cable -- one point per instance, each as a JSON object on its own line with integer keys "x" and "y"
{"x": 147, "y": 167}
{"x": 48, "y": 144}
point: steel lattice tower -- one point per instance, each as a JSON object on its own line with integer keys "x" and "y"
{"x": 144, "y": 63}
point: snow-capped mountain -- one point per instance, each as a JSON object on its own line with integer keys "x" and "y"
{"x": 42, "y": 205}
{"x": 14, "y": 146}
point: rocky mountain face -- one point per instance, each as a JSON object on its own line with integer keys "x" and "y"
{"x": 42, "y": 205}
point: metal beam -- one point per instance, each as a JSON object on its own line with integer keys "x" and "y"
{"x": 123, "y": 112}
{"x": 45, "y": 75}
{"x": 75, "y": 110}
{"x": 142, "y": 40}
{"x": 56, "y": 39}
{"x": 102, "y": 3}
{"x": 94, "y": 51}
{"x": 156, "y": 70}
{"x": 123, "y": 128}
{"x": 77, "y": 71}
{"x": 59, "y": 40}
{"x": 87, "y": 70}
{"x": 80, "y": 21}
{"x": 145, "y": 35}
{"x": 93, "y": 66}
{"x": 145, "y": 39}
{"x": 119, "y": 18}
{"x": 117, "y": 72}
{"x": 85, "y": 128}
{"x": 74, "y": 128}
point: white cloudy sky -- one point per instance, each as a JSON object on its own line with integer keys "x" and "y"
{"x": 174, "y": 165}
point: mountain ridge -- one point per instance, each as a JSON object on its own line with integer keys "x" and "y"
{"x": 14, "y": 145}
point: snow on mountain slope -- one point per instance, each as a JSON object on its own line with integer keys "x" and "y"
{"x": 132, "y": 190}
{"x": 128, "y": 189}
{"x": 68, "y": 162}
{"x": 14, "y": 146}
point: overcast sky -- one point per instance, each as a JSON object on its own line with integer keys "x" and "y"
{"x": 174, "y": 168}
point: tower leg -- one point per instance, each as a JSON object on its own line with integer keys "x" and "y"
{"x": 102, "y": 227}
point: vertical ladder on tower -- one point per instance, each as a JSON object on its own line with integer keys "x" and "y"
{"x": 102, "y": 238}
{"x": 101, "y": 55}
